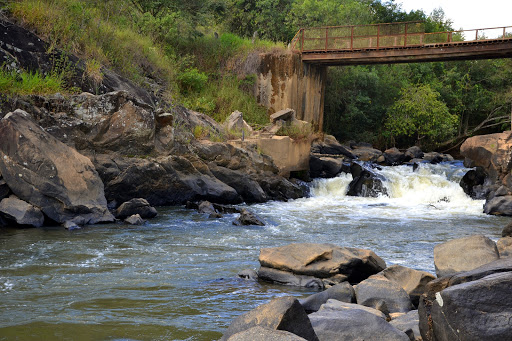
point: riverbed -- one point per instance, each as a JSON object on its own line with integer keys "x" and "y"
{"x": 174, "y": 278}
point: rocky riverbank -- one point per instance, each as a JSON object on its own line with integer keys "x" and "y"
{"x": 365, "y": 300}
{"x": 70, "y": 159}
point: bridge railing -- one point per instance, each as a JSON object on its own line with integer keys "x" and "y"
{"x": 382, "y": 36}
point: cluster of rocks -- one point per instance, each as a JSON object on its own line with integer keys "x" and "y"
{"x": 491, "y": 179}
{"x": 246, "y": 217}
{"x": 69, "y": 157}
{"x": 365, "y": 300}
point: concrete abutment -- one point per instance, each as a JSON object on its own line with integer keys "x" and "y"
{"x": 284, "y": 81}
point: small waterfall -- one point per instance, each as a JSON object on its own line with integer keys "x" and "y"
{"x": 428, "y": 189}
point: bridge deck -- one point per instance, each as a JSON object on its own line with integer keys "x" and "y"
{"x": 397, "y": 43}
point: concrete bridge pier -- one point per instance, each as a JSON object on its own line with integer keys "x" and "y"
{"x": 284, "y": 81}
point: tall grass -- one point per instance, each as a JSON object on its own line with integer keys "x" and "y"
{"x": 25, "y": 83}
{"x": 87, "y": 29}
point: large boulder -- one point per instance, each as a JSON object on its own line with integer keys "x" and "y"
{"x": 136, "y": 206}
{"x": 46, "y": 173}
{"x": 322, "y": 261}
{"x": 171, "y": 180}
{"x": 378, "y": 291}
{"x": 412, "y": 281}
{"x": 472, "y": 183}
{"x": 474, "y": 301}
{"x": 21, "y": 212}
{"x": 367, "y": 154}
{"x": 414, "y": 152}
{"x": 491, "y": 152}
{"x": 331, "y": 148}
{"x": 283, "y": 313}
{"x": 366, "y": 182}
{"x": 476, "y": 310}
{"x": 394, "y": 157}
{"x": 264, "y": 334}
{"x": 353, "y": 324}
{"x": 464, "y": 254}
{"x": 499, "y": 205}
{"x": 324, "y": 167}
{"x": 342, "y": 292}
{"x": 245, "y": 186}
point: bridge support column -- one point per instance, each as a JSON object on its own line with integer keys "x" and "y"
{"x": 284, "y": 81}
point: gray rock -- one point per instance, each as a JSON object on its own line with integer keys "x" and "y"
{"x": 335, "y": 305}
{"x": 499, "y": 206}
{"x": 460, "y": 280}
{"x": 46, "y": 173}
{"x": 366, "y": 182}
{"x": 412, "y": 281}
{"x": 505, "y": 247}
{"x": 287, "y": 278}
{"x": 414, "y": 152}
{"x": 464, "y": 254}
{"x": 394, "y": 157}
{"x": 21, "y": 212}
{"x": 353, "y": 324}
{"x": 248, "y": 218}
{"x": 376, "y": 290}
{"x": 342, "y": 292}
{"x": 477, "y": 310}
{"x": 367, "y": 154}
{"x": 134, "y": 219}
{"x": 283, "y": 313}
{"x": 136, "y": 206}
{"x": 244, "y": 185}
{"x": 248, "y": 274}
{"x": 472, "y": 183}
{"x": 264, "y": 334}
{"x": 207, "y": 207}
{"x": 324, "y": 167}
{"x": 409, "y": 324}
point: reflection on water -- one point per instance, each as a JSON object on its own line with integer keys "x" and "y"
{"x": 175, "y": 277}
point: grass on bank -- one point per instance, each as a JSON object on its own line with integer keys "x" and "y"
{"x": 26, "y": 83}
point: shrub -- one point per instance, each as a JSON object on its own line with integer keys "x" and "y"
{"x": 192, "y": 80}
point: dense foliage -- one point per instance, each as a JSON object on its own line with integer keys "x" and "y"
{"x": 189, "y": 49}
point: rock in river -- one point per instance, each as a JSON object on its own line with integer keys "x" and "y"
{"x": 322, "y": 261}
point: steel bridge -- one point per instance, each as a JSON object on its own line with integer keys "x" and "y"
{"x": 404, "y": 42}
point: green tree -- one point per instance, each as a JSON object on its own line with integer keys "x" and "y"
{"x": 419, "y": 113}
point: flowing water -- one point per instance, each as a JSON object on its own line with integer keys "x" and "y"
{"x": 175, "y": 277}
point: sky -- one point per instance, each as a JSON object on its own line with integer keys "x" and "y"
{"x": 467, "y": 14}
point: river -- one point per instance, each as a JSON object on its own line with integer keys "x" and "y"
{"x": 175, "y": 277}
